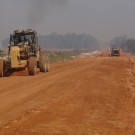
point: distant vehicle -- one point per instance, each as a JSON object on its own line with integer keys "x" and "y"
{"x": 115, "y": 51}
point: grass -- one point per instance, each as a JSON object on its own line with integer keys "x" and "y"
{"x": 56, "y": 56}
{"x": 59, "y": 56}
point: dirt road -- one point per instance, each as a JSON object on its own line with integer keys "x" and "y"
{"x": 91, "y": 96}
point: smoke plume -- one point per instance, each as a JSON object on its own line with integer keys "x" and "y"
{"x": 22, "y": 14}
{"x": 40, "y": 8}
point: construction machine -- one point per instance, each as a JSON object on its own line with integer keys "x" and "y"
{"x": 115, "y": 51}
{"x": 24, "y": 52}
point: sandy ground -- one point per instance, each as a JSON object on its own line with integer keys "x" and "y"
{"x": 90, "y": 96}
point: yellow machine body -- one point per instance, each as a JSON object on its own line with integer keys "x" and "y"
{"x": 14, "y": 55}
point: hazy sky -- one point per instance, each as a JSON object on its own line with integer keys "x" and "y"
{"x": 103, "y": 19}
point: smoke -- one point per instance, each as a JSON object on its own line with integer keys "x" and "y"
{"x": 40, "y": 8}
{"x": 22, "y": 14}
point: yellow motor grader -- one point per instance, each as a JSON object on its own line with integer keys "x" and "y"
{"x": 24, "y": 52}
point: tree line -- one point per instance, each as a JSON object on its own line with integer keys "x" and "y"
{"x": 67, "y": 41}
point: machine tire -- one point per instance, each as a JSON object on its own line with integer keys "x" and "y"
{"x": 1, "y": 68}
{"x": 32, "y": 66}
{"x": 42, "y": 64}
{"x": 47, "y": 66}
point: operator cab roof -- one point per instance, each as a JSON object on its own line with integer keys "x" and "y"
{"x": 25, "y": 32}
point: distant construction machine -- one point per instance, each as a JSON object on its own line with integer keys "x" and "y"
{"x": 115, "y": 51}
{"x": 24, "y": 52}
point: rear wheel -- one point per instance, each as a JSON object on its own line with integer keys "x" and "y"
{"x": 47, "y": 65}
{"x": 32, "y": 66}
{"x": 1, "y": 68}
{"x": 42, "y": 64}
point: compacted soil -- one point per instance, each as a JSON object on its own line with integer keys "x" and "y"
{"x": 89, "y": 96}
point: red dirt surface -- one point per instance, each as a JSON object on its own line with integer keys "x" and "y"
{"x": 90, "y": 96}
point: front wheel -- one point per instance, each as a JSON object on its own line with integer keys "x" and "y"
{"x": 47, "y": 66}
{"x": 32, "y": 66}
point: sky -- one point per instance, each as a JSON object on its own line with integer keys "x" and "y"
{"x": 103, "y": 19}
